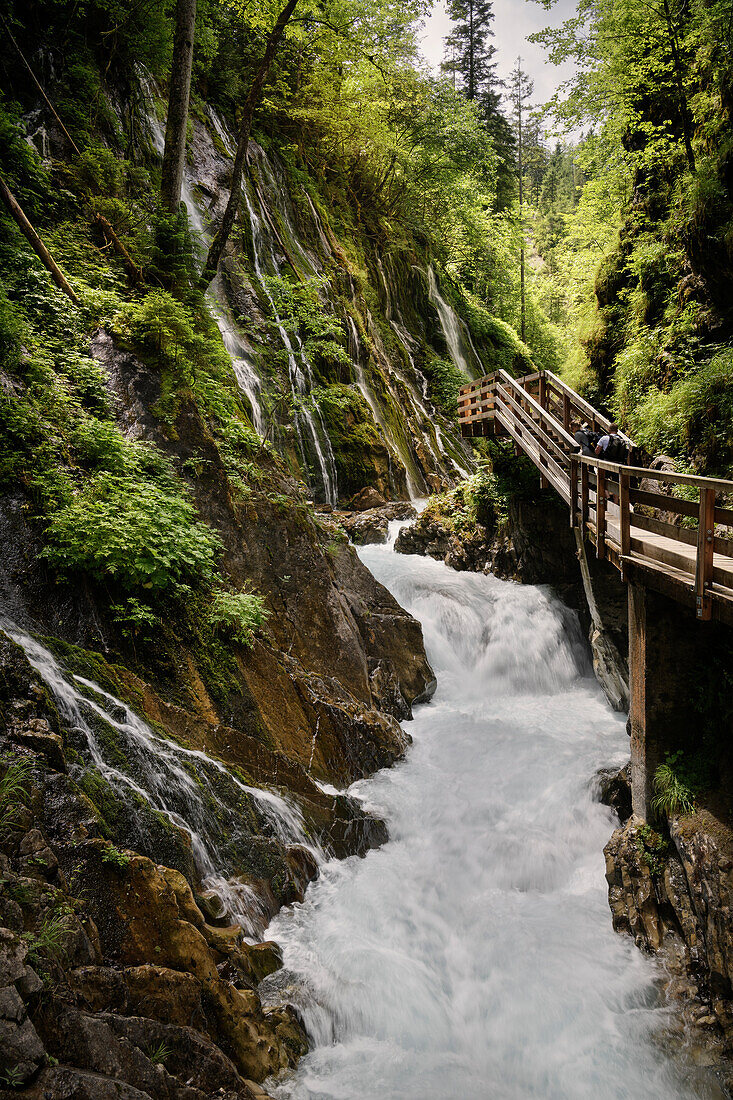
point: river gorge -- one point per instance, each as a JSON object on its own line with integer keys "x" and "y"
{"x": 472, "y": 956}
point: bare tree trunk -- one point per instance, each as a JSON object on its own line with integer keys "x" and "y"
{"x": 230, "y": 213}
{"x": 35, "y": 241}
{"x": 174, "y": 154}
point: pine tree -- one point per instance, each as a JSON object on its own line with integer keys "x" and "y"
{"x": 520, "y": 91}
{"x": 469, "y": 61}
{"x": 469, "y": 52}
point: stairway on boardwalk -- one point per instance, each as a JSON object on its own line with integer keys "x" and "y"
{"x": 690, "y": 560}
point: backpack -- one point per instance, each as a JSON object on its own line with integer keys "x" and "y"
{"x": 593, "y": 438}
{"x": 616, "y": 450}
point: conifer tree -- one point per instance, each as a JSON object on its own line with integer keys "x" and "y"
{"x": 469, "y": 60}
{"x": 520, "y": 91}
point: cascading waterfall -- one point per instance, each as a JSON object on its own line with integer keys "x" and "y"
{"x": 454, "y": 329}
{"x": 197, "y": 794}
{"x": 304, "y": 417}
{"x": 473, "y": 956}
{"x": 413, "y": 487}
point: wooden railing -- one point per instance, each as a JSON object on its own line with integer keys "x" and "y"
{"x": 681, "y": 545}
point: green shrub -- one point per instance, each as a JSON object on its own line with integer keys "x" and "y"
{"x": 674, "y": 786}
{"x": 140, "y": 535}
{"x": 239, "y": 615}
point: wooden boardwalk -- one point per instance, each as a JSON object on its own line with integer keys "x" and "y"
{"x": 668, "y": 531}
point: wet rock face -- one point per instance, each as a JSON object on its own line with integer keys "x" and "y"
{"x": 370, "y": 525}
{"x": 108, "y": 964}
{"x": 614, "y": 789}
{"x": 674, "y": 895}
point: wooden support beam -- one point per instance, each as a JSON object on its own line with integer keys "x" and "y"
{"x": 574, "y": 491}
{"x": 584, "y": 495}
{"x": 624, "y": 515}
{"x": 705, "y": 547}
{"x": 601, "y": 515}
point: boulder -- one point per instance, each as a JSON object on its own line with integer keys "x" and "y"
{"x": 367, "y": 498}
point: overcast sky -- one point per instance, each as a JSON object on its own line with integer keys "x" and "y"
{"x": 513, "y": 21}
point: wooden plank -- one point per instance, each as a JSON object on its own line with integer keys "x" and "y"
{"x": 657, "y": 475}
{"x": 526, "y": 430}
{"x": 704, "y": 566}
{"x": 660, "y": 527}
{"x": 545, "y": 418}
{"x": 561, "y": 487}
{"x": 601, "y": 515}
{"x": 624, "y": 513}
{"x": 724, "y": 516}
{"x": 664, "y": 503}
{"x": 574, "y": 466}
{"x": 525, "y": 416}
{"x": 584, "y": 494}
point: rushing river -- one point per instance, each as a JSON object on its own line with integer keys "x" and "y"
{"x": 473, "y": 957}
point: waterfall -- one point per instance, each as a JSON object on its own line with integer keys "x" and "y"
{"x": 453, "y": 328}
{"x": 298, "y": 370}
{"x": 195, "y": 793}
{"x": 241, "y": 353}
{"x": 413, "y": 487}
{"x": 473, "y": 956}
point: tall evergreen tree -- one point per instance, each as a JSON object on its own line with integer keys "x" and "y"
{"x": 469, "y": 60}
{"x": 520, "y": 92}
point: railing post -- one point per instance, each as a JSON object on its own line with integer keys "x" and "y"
{"x": 542, "y": 395}
{"x": 566, "y": 412}
{"x": 600, "y": 513}
{"x": 624, "y": 517}
{"x": 573, "y": 491}
{"x": 584, "y": 496}
{"x": 705, "y": 551}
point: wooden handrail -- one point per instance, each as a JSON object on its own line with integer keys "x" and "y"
{"x": 662, "y": 475}
{"x": 507, "y": 380}
{"x": 696, "y": 560}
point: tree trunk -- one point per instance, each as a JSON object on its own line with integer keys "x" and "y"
{"x": 521, "y": 213}
{"x": 174, "y": 154}
{"x": 230, "y": 213}
{"x": 679, "y": 79}
{"x": 35, "y": 241}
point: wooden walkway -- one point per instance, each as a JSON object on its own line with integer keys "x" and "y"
{"x": 669, "y": 531}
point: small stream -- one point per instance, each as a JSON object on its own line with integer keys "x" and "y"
{"x": 473, "y": 956}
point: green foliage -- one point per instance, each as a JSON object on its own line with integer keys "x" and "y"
{"x": 48, "y": 942}
{"x": 445, "y": 381}
{"x": 653, "y": 849}
{"x": 140, "y": 535}
{"x": 475, "y": 500}
{"x": 303, "y": 315}
{"x": 679, "y": 782}
{"x": 159, "y": 1054}
{"x": 14, "y": 792}
{"x": 238, "y": 615}
{"x": 116, "y": 858}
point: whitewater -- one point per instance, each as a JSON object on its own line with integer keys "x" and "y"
{"x": 473, "y": 955}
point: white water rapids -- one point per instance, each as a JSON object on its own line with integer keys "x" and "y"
{"x": 473, "y": 956}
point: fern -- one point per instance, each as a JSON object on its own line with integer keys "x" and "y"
{"x": 672, "y": 795}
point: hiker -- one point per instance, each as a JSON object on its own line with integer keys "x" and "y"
{"x": 584, "y": 437}
{"x": 611, "y": 447}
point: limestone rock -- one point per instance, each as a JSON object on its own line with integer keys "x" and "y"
{"x": 614, "y": 790}
{"x": 367, "y": 498}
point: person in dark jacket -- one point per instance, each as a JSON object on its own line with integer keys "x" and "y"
{"x": 584, "y": 437}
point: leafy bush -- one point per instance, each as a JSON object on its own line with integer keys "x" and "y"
{"x": 140, "y": 535}
{"x": 239, "y": 615}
